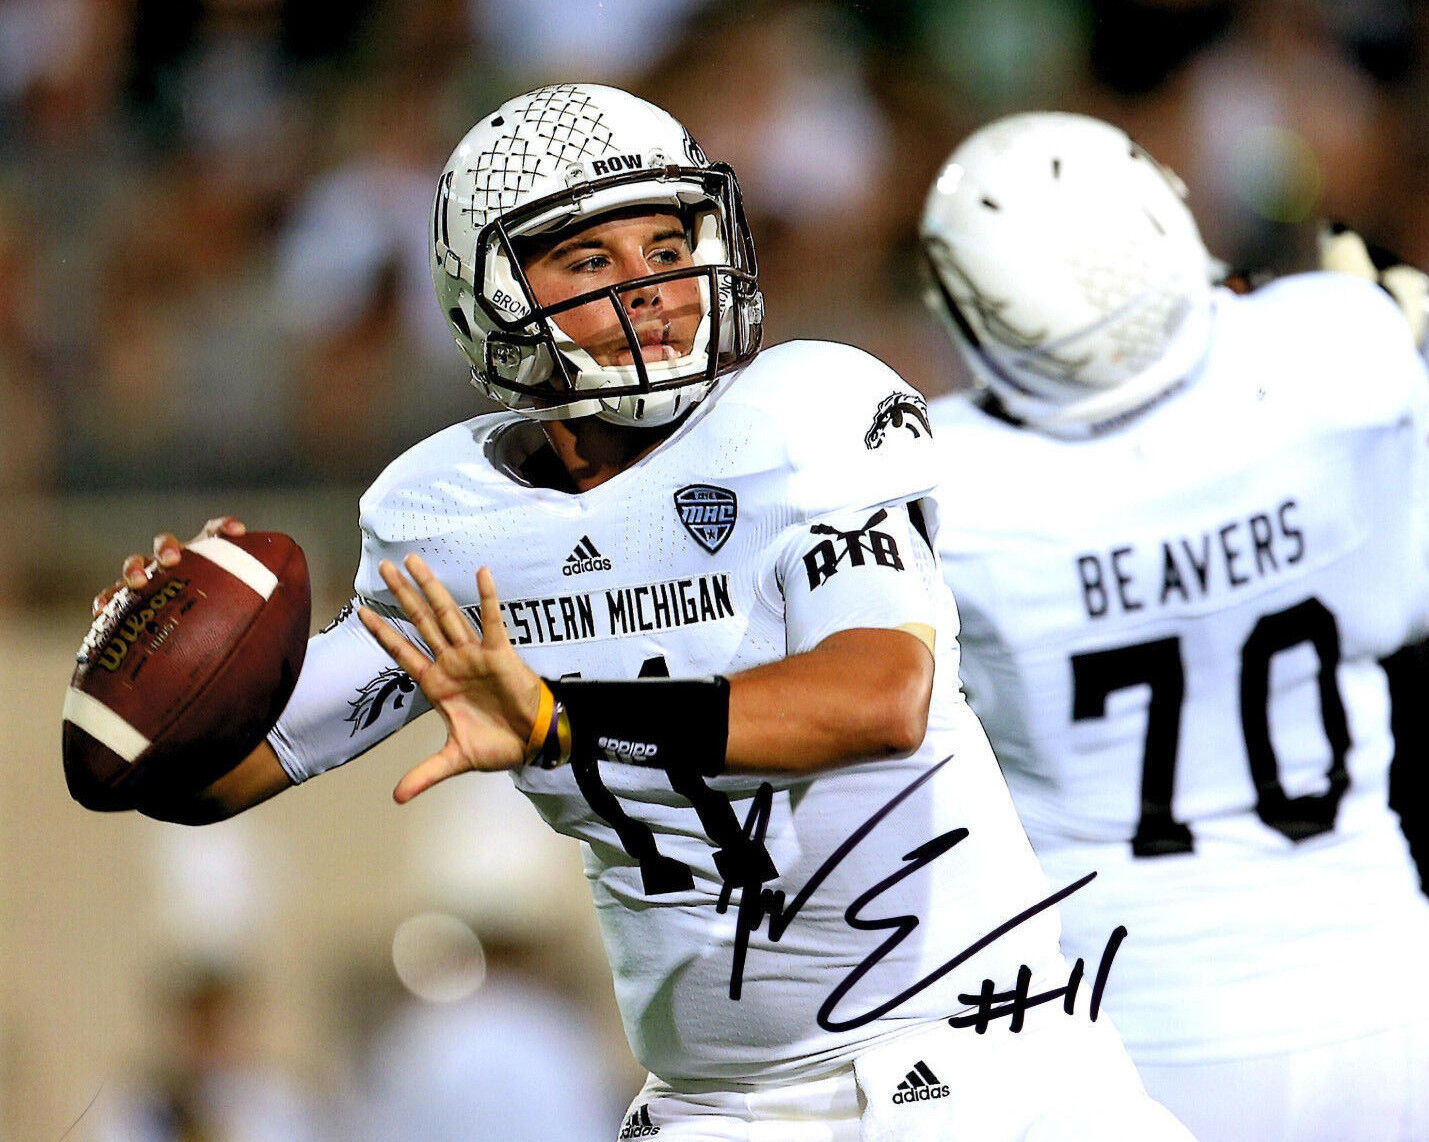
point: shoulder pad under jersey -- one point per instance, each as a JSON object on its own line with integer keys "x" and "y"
{"x": 849, "y": 431}
{"x": 434, "y": 489}
{"x": 1340, "y": 341}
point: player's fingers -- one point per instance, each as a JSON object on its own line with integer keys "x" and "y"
{"x": 132, "y": 572}
{"x": 402, "y": 651}
{"x": 493, "y": 629}
{"x": 414, "y": 605}
{"x": 455, "y": 625}
{"x": 222, "y": 525}
{"x": 166, "y": 549}
{"x": 446, "y": 762}
{"x": 1344, "y": 251}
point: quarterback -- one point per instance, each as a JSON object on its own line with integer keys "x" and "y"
{"x": 1193, "y": 524}
{"x": 722, "y": 657}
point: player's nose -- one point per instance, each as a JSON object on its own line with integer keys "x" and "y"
{"x": 637, "y": 297}
{"x": 633, "y": 265}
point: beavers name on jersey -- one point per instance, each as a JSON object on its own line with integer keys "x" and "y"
{"x": 1187, "y": 568}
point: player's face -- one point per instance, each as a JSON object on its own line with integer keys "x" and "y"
{"x": 607, "y": 253}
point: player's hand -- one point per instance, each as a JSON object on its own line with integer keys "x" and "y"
{"x": 134, "y": 572}
{"x": 1344, "y": 251}
{"x": 486, "y": 695}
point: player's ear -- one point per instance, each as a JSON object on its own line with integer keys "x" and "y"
{"x": 1344, "y": 251}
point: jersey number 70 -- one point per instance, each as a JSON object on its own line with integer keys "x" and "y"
{"x": 1097, "y": 674}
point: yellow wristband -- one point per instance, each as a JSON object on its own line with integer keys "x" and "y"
{"x": 542, "y": 725}
{"x": 563, "y": 736}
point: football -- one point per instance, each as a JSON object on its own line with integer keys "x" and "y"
{"x": 179, "y": 681}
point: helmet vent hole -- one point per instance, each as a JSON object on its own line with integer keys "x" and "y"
{"x": 499, "y": 121}
{"x": 990, "y": 204}
{"x": 1056, "y": 168}
{"x": 458, "y": 318}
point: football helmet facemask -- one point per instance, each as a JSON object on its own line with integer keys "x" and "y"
{"x": 558, "y": 158}
{"x": 1071, "y": 273}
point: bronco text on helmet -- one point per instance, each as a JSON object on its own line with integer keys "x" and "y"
{"x": 562, "y": 156}
{"x": 1068, "y": 268}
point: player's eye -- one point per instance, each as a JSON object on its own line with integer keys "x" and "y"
{"x": 670, "y": 255}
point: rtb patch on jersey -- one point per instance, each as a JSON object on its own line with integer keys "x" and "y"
{"x": 855, "y": 548}
{"x": 898, "y": 410}
{"x": 708, "y": 514}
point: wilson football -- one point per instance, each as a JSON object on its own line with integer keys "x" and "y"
{"x": 180, "y": 680}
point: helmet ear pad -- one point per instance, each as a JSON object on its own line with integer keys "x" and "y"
{"x": 1068, "y": 268}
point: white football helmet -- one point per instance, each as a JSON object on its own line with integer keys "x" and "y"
{"x": 1069, "y": 269}
{"x": 563, "y": 155}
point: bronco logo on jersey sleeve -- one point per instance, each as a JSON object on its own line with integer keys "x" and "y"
{"x": 708, "y": 514}
{"x": 389, "y": 690}
{"x": 898, "y": 410}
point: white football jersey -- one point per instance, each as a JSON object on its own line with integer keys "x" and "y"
{"x": 1172, "y": 635}
{"x": 795, "y": 501}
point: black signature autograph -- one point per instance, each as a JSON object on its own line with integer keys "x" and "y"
{"x": 757, "y": 903}
{"x": 1017, "y": 1002}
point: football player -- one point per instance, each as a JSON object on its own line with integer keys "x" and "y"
{"x": 1189, "y": 526}
{"x": 722, "y": 657}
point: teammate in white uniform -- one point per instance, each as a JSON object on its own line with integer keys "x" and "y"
{"x": 804, "y": 859}
{"x": 1183, "y": 527}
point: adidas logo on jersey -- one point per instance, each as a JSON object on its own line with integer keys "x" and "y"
{"x": 584, "y": 558}
{"x": 638, "y": 1125}
{"x": 920, "y": 1085}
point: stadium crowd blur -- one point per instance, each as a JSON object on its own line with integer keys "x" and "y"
{"x": 214, "y": 213}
